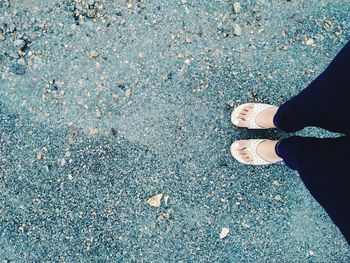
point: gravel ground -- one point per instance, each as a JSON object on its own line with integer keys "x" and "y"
{"x": 104, "y": 104}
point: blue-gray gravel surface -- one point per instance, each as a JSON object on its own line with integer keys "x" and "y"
{"x": 104, "y": 104}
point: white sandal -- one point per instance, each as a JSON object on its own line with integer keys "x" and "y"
{"x": 257, "y": 160}
{"x": 257, "y": 108}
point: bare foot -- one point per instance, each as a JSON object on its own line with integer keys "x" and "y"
{"x": 265, "y": 149}
{"x": 264, "y": 119}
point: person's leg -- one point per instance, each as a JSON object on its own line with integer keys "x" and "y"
{"x": 323, "y": 165}
{"x": 324, "y": 103}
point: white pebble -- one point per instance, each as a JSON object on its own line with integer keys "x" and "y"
{"x": 237, "y": 7}
{"x": 237, "y": 29}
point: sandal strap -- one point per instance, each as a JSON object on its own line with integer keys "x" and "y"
{"x": 258, "y": 108}
{"x": 257, "y": 159}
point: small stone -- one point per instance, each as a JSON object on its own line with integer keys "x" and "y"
{"x": 309, "y": 42}
{"x": 129, "y": 5}
{"x": 237, "y": 30}
{"x": 327, "y": 23}
{"x": 187, "y": 61}
{"x": 19, "y": 43}
{"x": 21, "y": 227}
{"x": 237, "y": 7}
{"x": 62, "y": 162}
{"x": 18, "y": 69}
{"x": 93, "y": 131}
{"x": 184, "y": 2}
{"x": 155, "y": 200}
{"x": 93, "y": 53}
{"x": 245, "y": 225}
{"x": 39, "y": 155}
{"x": 278, "y": 198}
{"x": 180, "y": 56}
{"x": 166, "y": 198}
{"x": 128, "y": 93}
{"x": 224, "y": 232}
{"x": 188, "y": 40}
{"x": 21, "y": 61}
{"x": 275, "y": 182}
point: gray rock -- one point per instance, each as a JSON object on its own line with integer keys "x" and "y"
{"x": 18, "y": 69}
{"x": 19, "y": 43}
{"x": 21, "y": 61}
{"x": 237, "y": 30}
{"x": 237, "y": 7}
{"x": 13, "y": 54}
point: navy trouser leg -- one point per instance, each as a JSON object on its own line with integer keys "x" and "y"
{"x": 323, "y": 165}
{"x": 325, "y": 103}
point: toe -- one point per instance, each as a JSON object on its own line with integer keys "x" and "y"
{"x": 242, "y": 152}
{"x": 240, "y": 122}
{"x": 248, "y": 107}
{"x": 247, "y": 158}
{"x": 244, "y": 144}
{"x": 241, "y": 145}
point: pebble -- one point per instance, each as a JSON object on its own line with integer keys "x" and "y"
{"x": 245, "y": 225}
{"x": 224, "y": 232}
{"x": 309, "y": 42}
{"x": 93, "y": 53}
{"x": 237, "y": 7}
{"x": 278, "y": 198}
{"x": 230, "y": 103}
{"x": 39, "y": 155}
{"x": 62, "y": 162}
{"x": 155, "y": 200}
{"x": 18, "y": 69}
{"x": 128, "y": 93}
{"x": 188, "y": 40}
{"x": 19, "y": 43}
{"x": 93, "y": 131}
{"x": 275, "y": 182}
{"x": 21, "y": 61}
{"x": 237, "y": 30}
